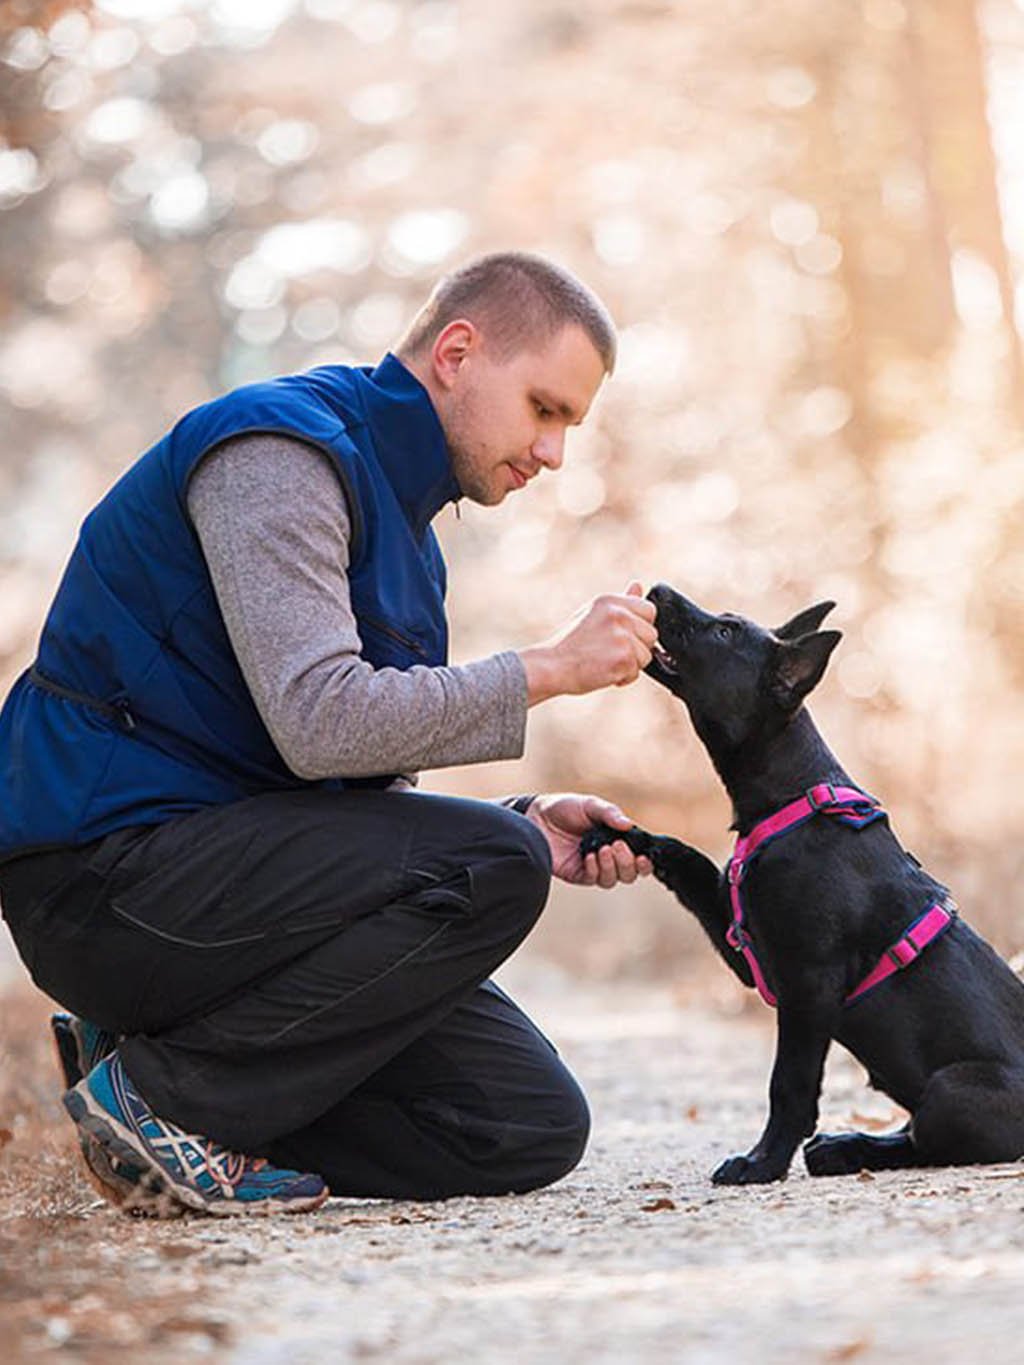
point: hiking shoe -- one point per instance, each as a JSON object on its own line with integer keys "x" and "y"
{"x": 162, "y": 1162}
{"x": 80, "y": 1045}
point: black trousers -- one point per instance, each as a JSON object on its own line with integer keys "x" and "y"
{"x": 304, "y": 975}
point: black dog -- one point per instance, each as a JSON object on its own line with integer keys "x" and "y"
{"x": 826, "y": 905}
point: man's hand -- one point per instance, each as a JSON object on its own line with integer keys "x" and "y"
{"x": 563, "y": 818}
{"x": 608, "y": 642}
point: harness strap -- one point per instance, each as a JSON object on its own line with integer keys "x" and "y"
{"x": 924, "y": 930}
{"x": 737, "y": 937}
{"x": 852, "y": 807}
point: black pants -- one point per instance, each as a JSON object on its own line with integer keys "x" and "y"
{"x": 304, "y": 975}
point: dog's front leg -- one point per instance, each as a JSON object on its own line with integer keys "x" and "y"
{"x": 700, "y": 886}
{"x": 802, "y": 1044}
{"x": 690, "y": 875}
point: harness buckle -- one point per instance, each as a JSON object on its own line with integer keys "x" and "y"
{"x": 830, "y": 800}
{"x": 904, "y": 952}
{"x": 734, "y": 872}
{"x": 737, "y": 937}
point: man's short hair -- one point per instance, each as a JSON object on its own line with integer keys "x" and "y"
{"x": 517, "y": 300}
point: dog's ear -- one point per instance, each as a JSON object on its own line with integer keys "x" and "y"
{"x": 804, "y": 622}
{"x": 799, "y": 664}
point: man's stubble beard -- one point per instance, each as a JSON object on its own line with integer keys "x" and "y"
{"x": 477, "y": 480}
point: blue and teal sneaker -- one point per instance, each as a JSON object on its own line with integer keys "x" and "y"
{"x": 162, "y": 1163}
{"x": 80, "y": 1045}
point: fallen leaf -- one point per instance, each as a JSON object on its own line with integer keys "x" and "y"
{"x": 657, "y": 1206}
{"x": 865, "y": 1175}
{"x": 851, "y": 1349}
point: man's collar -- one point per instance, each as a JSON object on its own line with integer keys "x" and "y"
{"x": 409, "y": 441}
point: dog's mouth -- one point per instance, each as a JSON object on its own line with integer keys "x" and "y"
{"x": 665, "y": 661}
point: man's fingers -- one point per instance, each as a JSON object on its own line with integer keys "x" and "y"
{"x": 636, "y": 604}
{"x": 590, "y": 870}
{"x": 640, "y": 606}
{"x": 644, "y": 651}
{"x": 625, "y": 863}
{"x": 607, "y": 874}
{"x": 616, "y": 864}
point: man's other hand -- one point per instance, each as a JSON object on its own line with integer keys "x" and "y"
{"x": 606, "y": 643}
{"x": 563, "y": 818}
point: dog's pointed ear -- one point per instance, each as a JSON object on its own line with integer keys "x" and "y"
{"x": 804, "y": 622}
{"x": 799, "y": 665}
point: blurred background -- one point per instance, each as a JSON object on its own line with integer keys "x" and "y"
{"x": 807, "y": 217}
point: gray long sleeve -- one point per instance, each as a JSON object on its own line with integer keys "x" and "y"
{"x": 274, "y": 527}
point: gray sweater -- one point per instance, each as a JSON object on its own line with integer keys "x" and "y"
{"x": 274, "y": 527}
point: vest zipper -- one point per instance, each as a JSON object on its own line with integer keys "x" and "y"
{"x": 395, "y": 635}
{"x": 118, "y": 710}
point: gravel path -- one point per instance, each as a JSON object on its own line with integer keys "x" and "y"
{"x": 635, "y": 1257}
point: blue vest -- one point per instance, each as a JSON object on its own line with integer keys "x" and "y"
{"x": 135, "y": 710}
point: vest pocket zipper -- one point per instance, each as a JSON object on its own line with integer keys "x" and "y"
{"x": 393, "y": 634}
{"x": 118, "y": 711}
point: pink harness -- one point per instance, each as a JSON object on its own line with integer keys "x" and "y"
{"x": 852, "y": 807}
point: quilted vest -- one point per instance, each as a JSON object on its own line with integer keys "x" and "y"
{"x": 135, "y": 710}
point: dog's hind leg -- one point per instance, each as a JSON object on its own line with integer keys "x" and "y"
{"x": 848, "y": 1153}
{"x": 971, "y": 1112}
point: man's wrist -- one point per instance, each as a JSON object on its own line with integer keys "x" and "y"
{"x": 543, "y": 674}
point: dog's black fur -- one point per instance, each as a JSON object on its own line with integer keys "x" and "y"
{"x": 945, "y": 1037}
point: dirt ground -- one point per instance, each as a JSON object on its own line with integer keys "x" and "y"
{"x": 634, "y": 1257}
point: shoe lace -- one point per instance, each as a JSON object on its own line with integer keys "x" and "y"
{"x": 227, "y": 1168}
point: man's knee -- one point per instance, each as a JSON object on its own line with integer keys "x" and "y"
{"x": 533, "y": 849}
{"x": 512, "y": 869}
{"x": 564, "y": 1141}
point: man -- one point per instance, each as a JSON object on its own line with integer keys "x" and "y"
{"x": 212, "y": 847}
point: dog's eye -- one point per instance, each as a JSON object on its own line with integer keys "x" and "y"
{"x": 723, "y": 631}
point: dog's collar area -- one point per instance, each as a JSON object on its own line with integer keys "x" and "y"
{"x": 857, "y": 809}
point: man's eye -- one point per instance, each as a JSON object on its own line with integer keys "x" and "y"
{"x": 542, "y": 411}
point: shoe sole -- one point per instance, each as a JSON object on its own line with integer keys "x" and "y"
{"x": 133, "y": 1194}
{"x": 154, "y": 1193}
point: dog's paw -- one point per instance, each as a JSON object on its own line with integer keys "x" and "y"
{"x": 834, "y": 1154}
{"x": 637, "y": 839}
{"x": 744, "y": 1170}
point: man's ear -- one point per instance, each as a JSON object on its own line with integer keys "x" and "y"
{"x": 451, "y": 346}
{"x": 799, "y": 665}
{"x": 804, "y": 622}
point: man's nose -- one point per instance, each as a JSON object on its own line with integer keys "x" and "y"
{"x": 549, "y": 448}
